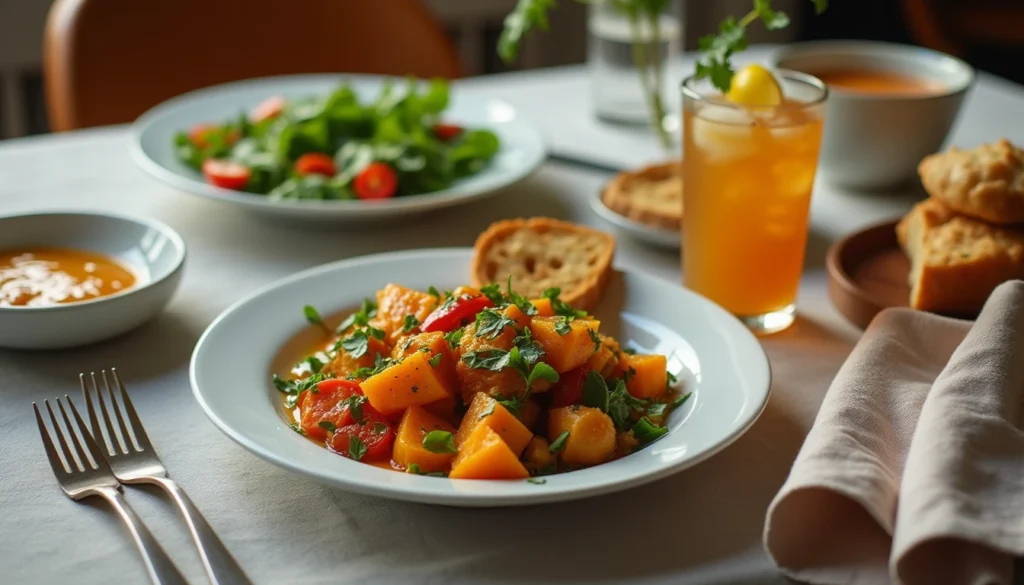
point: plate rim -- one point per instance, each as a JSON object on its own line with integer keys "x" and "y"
{"x": 654, "y": 235}
{"x": 541, "y": 496}
{"x": 402, "y": 204}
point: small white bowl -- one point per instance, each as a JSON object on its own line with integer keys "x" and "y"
{"x": 876, "y": 141}
{"x": 154, "y": 252}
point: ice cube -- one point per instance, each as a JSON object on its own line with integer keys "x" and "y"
{"x": 721, "y": 142}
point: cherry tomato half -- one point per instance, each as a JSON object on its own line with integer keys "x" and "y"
{"x": 226, "y": 174}
{"x": 569, "y": 388}
{"x": 315, "y": 163}
{"x": 327, "y": 404}
{"x": 447, "y": 132}
{"x": 199, "y": 135}
{"x": 376, "y": 181}
{"x": 455, "y": 314}
{"x": 373, "y": 430}
{"x": 267, "y": 109}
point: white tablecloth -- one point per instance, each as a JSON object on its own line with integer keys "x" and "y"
{"x": 702, "y": 525}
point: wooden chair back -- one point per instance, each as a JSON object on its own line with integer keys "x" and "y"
{"x": 107, "y": 61}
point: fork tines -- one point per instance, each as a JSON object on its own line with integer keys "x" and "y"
{"x": 85, "y": 456}
{"x": 130, "y": 435}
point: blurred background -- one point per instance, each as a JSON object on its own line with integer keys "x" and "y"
{"x": 987, "y": 33}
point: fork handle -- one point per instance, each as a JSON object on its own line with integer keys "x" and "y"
{"x": 221, "y": 567}
{"x": 159, "y": 566}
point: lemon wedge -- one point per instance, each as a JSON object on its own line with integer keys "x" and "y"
{"x": 754, "y": 86}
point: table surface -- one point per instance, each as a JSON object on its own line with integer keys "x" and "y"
{"x": 702, "y": 525}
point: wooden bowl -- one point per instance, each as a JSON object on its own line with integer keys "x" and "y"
{"x": 868, "y": 272}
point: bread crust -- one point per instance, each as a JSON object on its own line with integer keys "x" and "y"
{"x": 540, "y": 253}
{"x": 652, "y": 195}
{"x": 957, "y": 261}
{"x": 986, "y": 182}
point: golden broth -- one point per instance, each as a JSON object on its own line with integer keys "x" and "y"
{"x": 43, "y": 277}
{"x": 878, "y": 82}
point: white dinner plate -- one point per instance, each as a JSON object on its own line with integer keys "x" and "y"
{"x": 655, "y": 236}
{"x": 713, "y": 354}
{"x": 152, "y": 147}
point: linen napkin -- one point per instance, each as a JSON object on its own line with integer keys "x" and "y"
{"x": 914, "y": 469}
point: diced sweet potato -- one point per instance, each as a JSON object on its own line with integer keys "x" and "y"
{"x": 568, "y": 351}
{"x": 591, "y": 434}
{"x": 411, "y": 381}
{"x": 394, "y": 302}
{"x": 606, "y": 359}
{"x": 537, "y": 455}
{"x": 486, "y": 411}
{"x": 507, "y": 382}
{"x": 435, "y": 344}
{"x": 344, "y": 363}
{"x": 521, "y": 319}
{"x": 409, "y": 449}
{"x": 544, "y": 308}
{"x": 647, "y": 375}
{"x": 485, "y": 456}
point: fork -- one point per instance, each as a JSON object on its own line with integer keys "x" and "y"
{"x": 91, "y": 476}
{"x": 134, "y": 461}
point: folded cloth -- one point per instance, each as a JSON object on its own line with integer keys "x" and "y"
{"x": 914, "y": 469}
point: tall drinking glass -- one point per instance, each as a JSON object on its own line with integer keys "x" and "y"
{"x": 747, "y": 179}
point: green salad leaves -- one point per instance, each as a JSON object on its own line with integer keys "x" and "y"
{"x": 336, "y": 147}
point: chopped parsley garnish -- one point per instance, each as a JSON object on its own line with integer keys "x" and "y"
{"x": 439, "y": 442}
{"x": 380, "y": 363}
{"x": 558, "y": 445}
{"x": 536, "y": 480}
{"x": 358, "y": 343}
{"x": 314, "y": 363}
{"x": 313, "y": 316}
{"x": 356, "y": 448}
{"x": 435, "y": 360}
{"x": 416, "y": 470}
{"x": 409, "y": 323}
{"x": 560, "y": 307}
{"x": 327, "y": 426}
{"x": 595, "y": 338}
{"x": 354, "y": 404}
{"x": 629, "y": 351}
{"x": 595, "y": 391}
{"x": 490, "y": 323}
{"x": 657, "y": 409}
{"x": 295, "y": 427}
{"x": 519, "y": 300}
{"x": 360, "y": 318}
{"x": 453, "y": 337}
{"x": 681, "y": 400}
{"x": 494, "y": 360}
{"x": 562, "y": 326}
{"x": 432, "y": 291}
{"x": 493, "y": 293}
{"x": 647, "y": 432}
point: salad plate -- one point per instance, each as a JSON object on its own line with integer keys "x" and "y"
{"x": 154, "y": 148}
{"x": 657, "y": 237}
{"x": 715, "y": 358}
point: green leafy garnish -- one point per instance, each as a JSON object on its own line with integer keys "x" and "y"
{"x": 380, "y": 363}
{"x": 595, "y": 338}
{"x": 493, "y": 293}
{"x": 360, "y": 318}
{"x": 354, "y": 404}
{"x": 559, "y": 443}
{"x": 647, "y": 432}
{"x": 295, "y": 427}
{"x": 435, "y": 360}
{"x": 358, "y": 343}
{"x": 732, "y": 38}
{"x": 536, "y": 480}
{"x": 490, "y": 323}
{"x": 595, "y": 391}
{"x": 494, "y": 360}
{"x": 432, "y": 291}
{"x": 409, "y": 323}
{"x": 657, "y": 409}
{"x": 519, "y": 300}
{"x": 416, "y": 470}
{"x": 356, "y": 448}
{"x": 681, "y": 400}
{"x": 439, "y": 442}
{"x": 313, "y": 316}
{"x": 327, "y": 426}
{"x": 560, "y": 307}
{"x": 541, "y": 371}
{"x": 314, "y": 363}
{"x": 453, "y": 337}
{"x": 562, "y": 326}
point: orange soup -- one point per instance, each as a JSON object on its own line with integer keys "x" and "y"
{"x": 878, "y": 82}
{"x": 42, "y": 277}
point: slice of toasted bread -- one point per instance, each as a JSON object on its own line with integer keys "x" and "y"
{"x": 541, "y": 253}
{"x": 652, "y": 195}
{"x": 956, "y": 261}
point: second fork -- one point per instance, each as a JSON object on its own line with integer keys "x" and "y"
{"x": 134, "y": 460}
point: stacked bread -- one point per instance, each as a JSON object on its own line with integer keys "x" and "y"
{"x": 968, "y": 236}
